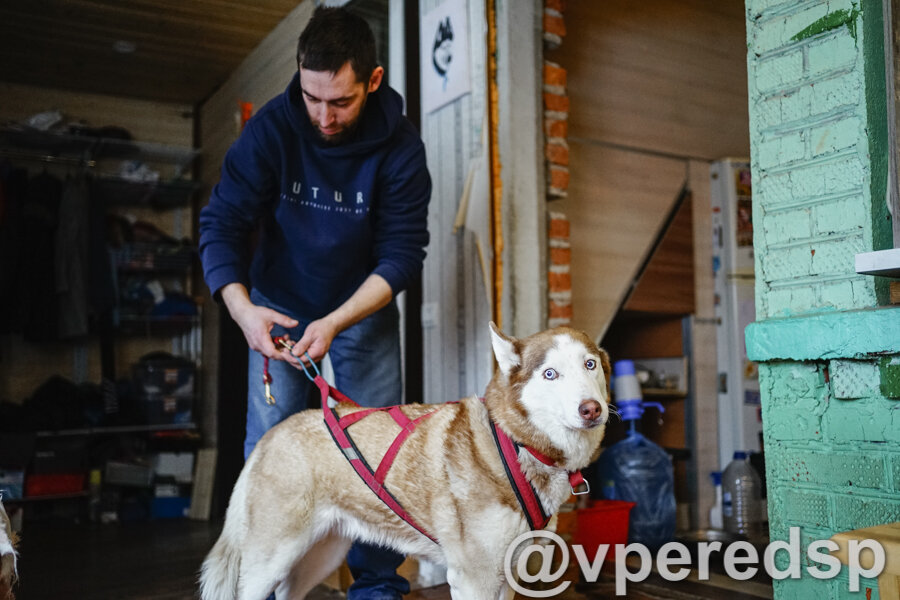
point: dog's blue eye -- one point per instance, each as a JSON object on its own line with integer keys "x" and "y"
{"x": 551, "y": 374}
{"x": 590, "y": 364}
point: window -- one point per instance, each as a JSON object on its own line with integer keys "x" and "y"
{"x": 886, "y": 263}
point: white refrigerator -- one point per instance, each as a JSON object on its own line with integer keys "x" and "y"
{"x": 740, "y": 422}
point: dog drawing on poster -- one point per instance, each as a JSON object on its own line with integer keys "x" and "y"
{"x": 442, "y": 52}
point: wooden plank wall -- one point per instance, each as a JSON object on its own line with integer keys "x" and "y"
{"x": 661, "y": 76}
{"x": 263, "y": 75}
{"x": 158, "y": 122}
{"x": 670, "y": 270}
{"x": 616, "y": 205}
{"x": 24, "y": 366}
{"x": 456, "y": 343}
{"x": 657, "y": 91}
{"x": 652, "y": 85}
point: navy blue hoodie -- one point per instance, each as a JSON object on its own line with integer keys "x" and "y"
{"x": 328, "y": 216}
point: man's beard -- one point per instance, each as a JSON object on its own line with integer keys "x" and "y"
{"x": 347, "y": 133}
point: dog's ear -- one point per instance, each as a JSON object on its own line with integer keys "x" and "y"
{"x": 504, "y": 350}
{"x": 607, "y": 372}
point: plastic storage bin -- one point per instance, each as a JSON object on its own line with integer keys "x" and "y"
{"x": 603, "y": 522}
{"x": 52, "y": 484}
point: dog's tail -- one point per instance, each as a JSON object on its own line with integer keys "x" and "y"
{"x": 221, "y": 570}
{"x": 219, "y": 575}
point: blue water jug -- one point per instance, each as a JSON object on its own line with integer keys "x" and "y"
{"x": 637, "y": 470}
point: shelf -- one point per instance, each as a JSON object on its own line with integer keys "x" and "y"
{"x": 48, "y": 497}
{"x": 883, "y": 263}
{"x": 156, "y": 326}
{"x": 153, "y": 266}
{"x": 667, "y": 378}
{"x": 144, "y": 257}
{"x": 33, "y": 144}
{"x": 119, "y": 429}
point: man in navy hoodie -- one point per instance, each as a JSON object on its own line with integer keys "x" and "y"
{"x": 333, "y": 178}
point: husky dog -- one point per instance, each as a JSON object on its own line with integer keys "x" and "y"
{"x": 298, "y": 503}
{"x": 7, "y": 555}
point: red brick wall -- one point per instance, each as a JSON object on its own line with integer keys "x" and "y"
{"x": 556, "y": 154}
{"x": 559, "y": 277}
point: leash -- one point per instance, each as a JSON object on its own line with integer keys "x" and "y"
{"x": 285, "y": 343}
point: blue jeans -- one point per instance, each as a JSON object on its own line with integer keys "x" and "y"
{"x": 366, "y": 362}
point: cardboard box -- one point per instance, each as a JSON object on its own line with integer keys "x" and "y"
{"x": 179, "y": 465}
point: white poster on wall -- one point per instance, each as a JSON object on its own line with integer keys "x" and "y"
{"x": 444, "y": 42}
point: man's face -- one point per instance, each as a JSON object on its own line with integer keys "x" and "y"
{"x": 335, "y": 102}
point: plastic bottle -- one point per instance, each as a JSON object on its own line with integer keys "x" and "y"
{"x": 741, "y": 497}
{"x": 715, "y": 512}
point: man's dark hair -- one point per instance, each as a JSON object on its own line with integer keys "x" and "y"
{"x": 334, "y": 36}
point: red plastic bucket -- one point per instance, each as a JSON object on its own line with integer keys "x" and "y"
{"x": 603, "y": 522}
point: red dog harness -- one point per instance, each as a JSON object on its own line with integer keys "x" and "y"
{"x": 509, "y": 454}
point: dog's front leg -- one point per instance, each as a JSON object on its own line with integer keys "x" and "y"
{"x": 473, "y": 583}
{"x": 506, "y": 593}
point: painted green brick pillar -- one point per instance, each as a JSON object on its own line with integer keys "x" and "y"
{"x": 829, "y": 353}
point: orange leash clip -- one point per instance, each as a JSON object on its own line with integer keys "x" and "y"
{"x": 286, "y": 344}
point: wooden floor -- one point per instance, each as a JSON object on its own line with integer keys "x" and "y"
{"x": 149, "y": 560}
{"x": 159, "y": 561}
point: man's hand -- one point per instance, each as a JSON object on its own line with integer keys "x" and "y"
{"x": 373, "y": 294}
{"x": 316, "y": 340}
{"x": 256, "y": 322}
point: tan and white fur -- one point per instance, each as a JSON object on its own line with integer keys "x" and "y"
{"x": 8, "y": 555}
{"x": 298, "y": 504}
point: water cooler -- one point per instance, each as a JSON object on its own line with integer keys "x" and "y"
{"x": 637, "y": 470}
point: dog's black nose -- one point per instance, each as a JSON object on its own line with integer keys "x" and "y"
{"x": 590, "y": 410}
